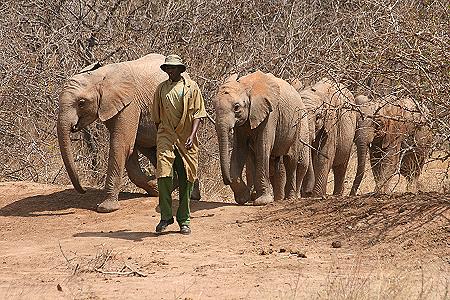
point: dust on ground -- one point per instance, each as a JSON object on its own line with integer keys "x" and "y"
{"x": 53, "y": 245}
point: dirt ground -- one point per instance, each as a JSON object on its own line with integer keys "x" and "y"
{"x": 53, "y": 245}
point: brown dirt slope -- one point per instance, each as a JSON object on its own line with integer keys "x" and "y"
{"x": 53, "y": 245}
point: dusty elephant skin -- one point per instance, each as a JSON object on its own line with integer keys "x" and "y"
{"x": 119, "y": 95}
{"x": 332, "y": 124}
{"x": 395, "y": 134}
{"x": 264, "y": 119}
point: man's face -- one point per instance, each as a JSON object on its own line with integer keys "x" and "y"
{"x": 174, "y": 72}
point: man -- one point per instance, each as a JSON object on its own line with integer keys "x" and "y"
{"x": 178, "y": 108}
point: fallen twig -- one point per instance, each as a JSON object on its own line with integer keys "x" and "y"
{"x": 121, "y": 272}
{"x": 65, "y": 257}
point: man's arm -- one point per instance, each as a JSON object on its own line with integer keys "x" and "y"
{"x": 190, "y": 139}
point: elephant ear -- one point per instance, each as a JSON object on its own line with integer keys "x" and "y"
{"x": 116, "y": 91}
{"x": 297, "y": 84}
{"x": 263, "y": 94}
{"x": 232, "y": 77}
{"x": 394, "y": 131}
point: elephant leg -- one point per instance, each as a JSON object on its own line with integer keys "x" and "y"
{"x": 322, "y": 168}
{"x": 321, "y": 164}
{"x": 303, "y": 167}
{"x": 250, "y": 174}
{"x": 138, "y": 177}
{"x": 307, "y": 185}
{"x": 339, "y": 178}
{"x": 384, "y": 166}
{"x": 239, "y": 156}
{"x": 263, "y": 145}
{"x": 122, "y": 129}
{"x": 411, "y": 168}
{"x": 277, "y": 178}
{"x": 375, "y": 163}
{"x": 195, "y": 195}
{"x": 150, "y": 153}
{"x": 291, "y": 182}
{"x": 339, "y": 172}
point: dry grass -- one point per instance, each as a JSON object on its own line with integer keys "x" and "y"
{"x": 382, "y": 283}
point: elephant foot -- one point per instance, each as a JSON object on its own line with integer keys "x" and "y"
{"x": 109, "y": 205}
{"x": 241, "y": 192}
{"x": 253, "y": 196}
{"x": 242, "y": 199}
{"x": 307, "y": 194}
{"x": 195, "y": 195}
{"x": 291, "y": 198}
{"x": 152, "y": 189}
{"x": 263, "y": 200}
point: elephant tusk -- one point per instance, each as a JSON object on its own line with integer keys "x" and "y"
{"x": 312, "y": 148}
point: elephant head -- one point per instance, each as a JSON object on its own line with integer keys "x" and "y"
{"x": 241, "y": 105}
{"x": 87, "y": 96}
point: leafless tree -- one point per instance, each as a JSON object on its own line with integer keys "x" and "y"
{"x": 381, "y": 47}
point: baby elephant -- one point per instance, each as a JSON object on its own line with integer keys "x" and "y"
{"x": 395, "y": 133}
{"x": 265, "y": 118}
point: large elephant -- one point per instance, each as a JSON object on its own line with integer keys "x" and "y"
{"x": 395, "y": 134}
{"x": 332, "y": 122}
{"x": 264, "y": 118}
{"x": 119, "y": 95}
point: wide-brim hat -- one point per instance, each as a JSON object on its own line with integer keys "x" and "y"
{"x": 173, "y": 60}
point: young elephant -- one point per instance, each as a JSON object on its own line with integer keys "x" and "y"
{"x": 265, "y": 118}
{"x": 120, "y": 96}
{"x": 332, "y": 123}
{"x": 395, "y": 133}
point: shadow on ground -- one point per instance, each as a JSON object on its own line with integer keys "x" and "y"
{"x": 56, "y": 203}
{"x": 119, "y": 234}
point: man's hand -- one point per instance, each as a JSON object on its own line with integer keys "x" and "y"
{"x": 189, "y": 142}
{"x": 190, "y": 139}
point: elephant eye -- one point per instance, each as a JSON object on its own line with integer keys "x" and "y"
{"x": 81, "y": 102}
{"x": 236, "y": 107}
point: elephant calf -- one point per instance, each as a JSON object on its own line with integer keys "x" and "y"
{"x": 332, "y": 122}
{"x": 395, "y": 134}
{"x": 266, "y": 119}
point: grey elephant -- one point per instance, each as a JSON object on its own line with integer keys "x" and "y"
{"x": 332, "y": 122}
{"x": 263, "y": 117}
{"x": 395, "y": 133}
{"x": 119, "y": 95}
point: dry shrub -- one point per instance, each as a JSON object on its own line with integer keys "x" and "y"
{"x": 374, "y": 47}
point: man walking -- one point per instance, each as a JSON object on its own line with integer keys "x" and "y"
{"x": 178, "y": 107}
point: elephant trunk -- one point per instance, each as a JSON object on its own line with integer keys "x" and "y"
{"x": 362, "y": 149}
{"x": 223, "y": 134}
{"x": 65, "y": 147}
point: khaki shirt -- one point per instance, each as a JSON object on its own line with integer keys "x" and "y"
{"x": 173, "y": 130}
